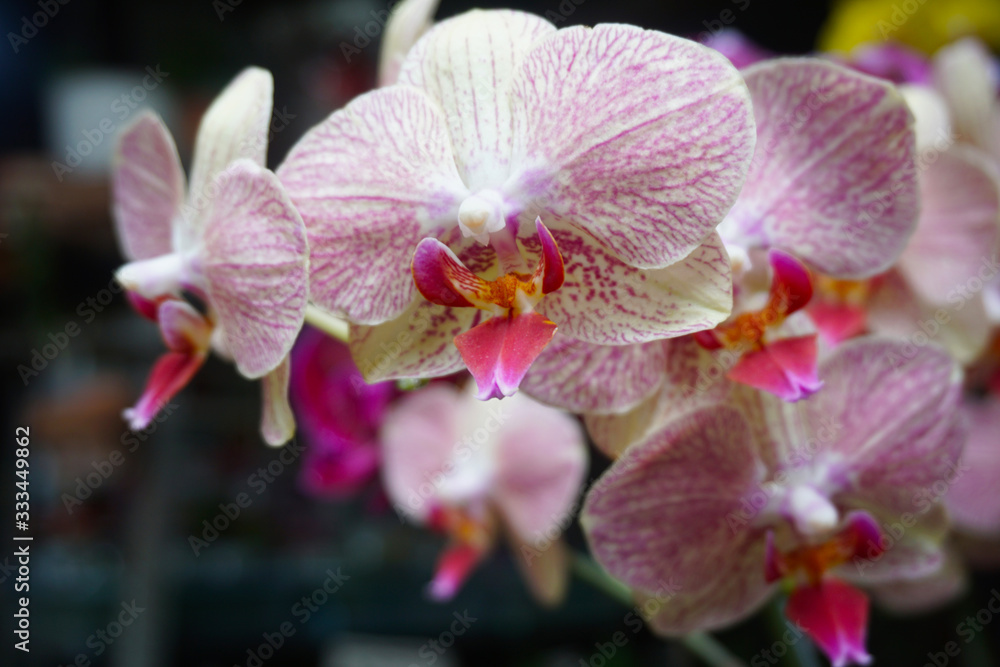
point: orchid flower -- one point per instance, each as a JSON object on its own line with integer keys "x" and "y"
{"x": 831, "y": 186}
{"x": 967, "y": 77}
{"x": 472, "y": 469}
{"x": 339, "y": 414}
{"x": 734, "y": 497}
{"x": 516, "y": 179}
{"x": 409, "y": 20}
{"x": 237, "y": 245}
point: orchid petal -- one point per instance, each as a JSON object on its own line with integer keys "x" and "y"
{"x": 974, "y": 498}
{"x": 234, "y": 127}
{"x": 546, "y": 570}
{"x": 963, "y": 73}
{"x": 898, "y": 554}
{"x": 835, "y": 615}
{"x": 737, "y": 47}
{"x": 785, "y": 368}
{"x": 256, "y": 265}
{"x": 791, "y": 284}
{"x": 596, "y": 379}
{"x": 417, "y": 344}
{"x": 959, "y": 225}
{"x": 541, "y": 462}
{"x": 370, "y": 182}
{"x": 607, "y": 302}
{"x": 919, "y": 596}
{"x": 409, "y": 20}
{"x": 499, "y": 351}
{"x": 466, "y": 65}
{"x": 932, "y": 123}
{"x": 690, "y": 477}
{"x": 277, "y": 423}
{"x": 148, "y": 186}
{"x": 442, "y": 279}
{"x": 832, "y": 179}
{"x": 618, "y": 128}
{"x": 892, "y": 61}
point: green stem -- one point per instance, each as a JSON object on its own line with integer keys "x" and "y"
{"x": 328, "y": 324}
{"x": 802, "y": 653}
{"x": 702, "y": 645}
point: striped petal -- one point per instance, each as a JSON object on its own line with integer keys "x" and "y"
{"x": 370, "y": 182}
{"x": 636, "y": 137}
{"x": 607, "y": 302}
{"x": 148, "y": 188}
{"x": 256, "y": 267}
{"x": 832, "y": 180}
{"x": 466, "y": 65}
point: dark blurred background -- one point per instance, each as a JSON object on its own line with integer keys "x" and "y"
{"x": 112, "y": 513}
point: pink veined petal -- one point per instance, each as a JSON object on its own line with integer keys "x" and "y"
{"x": 899, "y": 553}
{"x": 607, "y": 302}
{"x": 665, "y": 510}
{"x": 234, "y": 127}
{"x": 277, "y": 423}
{"x": 499, "y": 351}
{"x": 893, "y": 410}
{"x": 785, "y": 368}
{"x": 418, "y": 438}
{"x": 256, "y": 265}
{"x": 832, "y": 179}
{"x": 453, "y": 568}
{"x": 958, "y": 229}
{"x": 186, "y": 334}
{"x": 148, "y": 188}
{"x": 639, "y": 138}
{"x": 835, "y": 616}
{"x": 974, "y": 498}
{"x": 466, "y": 64}
{"x": 551, "y": 268}
{"x": 596, "y": 379}
{"x": 541, "y": 460}
{"x": 442, "y": 278}
{"x": 417, "y": 344}
{"x": 409, "y": 20}
{"x": 370, "y": 182}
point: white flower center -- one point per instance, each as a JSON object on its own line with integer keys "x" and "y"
{"x": 481, "y": 214}
{"x": 810, "y": 511}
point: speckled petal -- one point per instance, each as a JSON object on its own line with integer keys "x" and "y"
{"x": 607, "y": 302}
{"x": 640, "y": 138}
{"x": 148, "y": 188}
{"x": 832, "y": 180}
{"x": 256, "y": 264}
{"x": 370, "y": 182}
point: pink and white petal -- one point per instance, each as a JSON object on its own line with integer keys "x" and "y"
{"x": 639, "y": 138}
{"x": 963, "y": 74}
{"x": 693, "y": 378}
{"x": 894, "y": 407}
{"x": 924, "y": 594}
{"x": 234, "y": 127}
{"x": 663, "y": 510}
{"x": 409, "y": 20}
{"x": 277, "y": 422}
{"x": 148, "y": 188}
{"x": 466, "y": 64}
{"x": 541, "y": 461}
{"x": 607, "y": 302}
{"x": 912, "y": 552}
{"x": 417, "y": 344}
{"x": 596, "y": 379}
{"x": 974, "y": 498}
{"x": 418, "y": 438}
{"x": 832, "y": 179}
{"x": 959, "y": 224}
{"x": 545, "y": 568}
{"x": 370, "y": 182}
{"x": 256, "y": 267}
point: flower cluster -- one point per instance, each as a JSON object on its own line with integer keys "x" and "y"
{"x": 768, "y": 285}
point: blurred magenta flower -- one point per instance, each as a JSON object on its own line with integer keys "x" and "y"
{"x": 237, "y": 243}
{"x": 893, "y": 62}
{"x": 740, "y": 49}
{"x": 612, "y": 152}
{"x": 475, "y": 469}
{"x": 339, "y": 415}
{"x": 762, "y": 490}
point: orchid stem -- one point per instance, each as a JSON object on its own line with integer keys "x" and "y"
{"x": 327, "y": 323}
{"x": 802, "y": 652}
{"x": 702, "y": 645}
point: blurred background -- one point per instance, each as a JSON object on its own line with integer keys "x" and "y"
{"x": 118, "y": 574}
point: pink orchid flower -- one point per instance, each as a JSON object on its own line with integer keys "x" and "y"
{"x": 731, "y": 498}
{"x": 473, "y": 469}
{"x": 339, "y": 415}
{"x": 237, "y": 244}
{"x": 519, "y": 178}
{"x": 831, "y": 186}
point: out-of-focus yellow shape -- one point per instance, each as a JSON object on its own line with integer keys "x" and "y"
{"x": 926, "y": 25}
